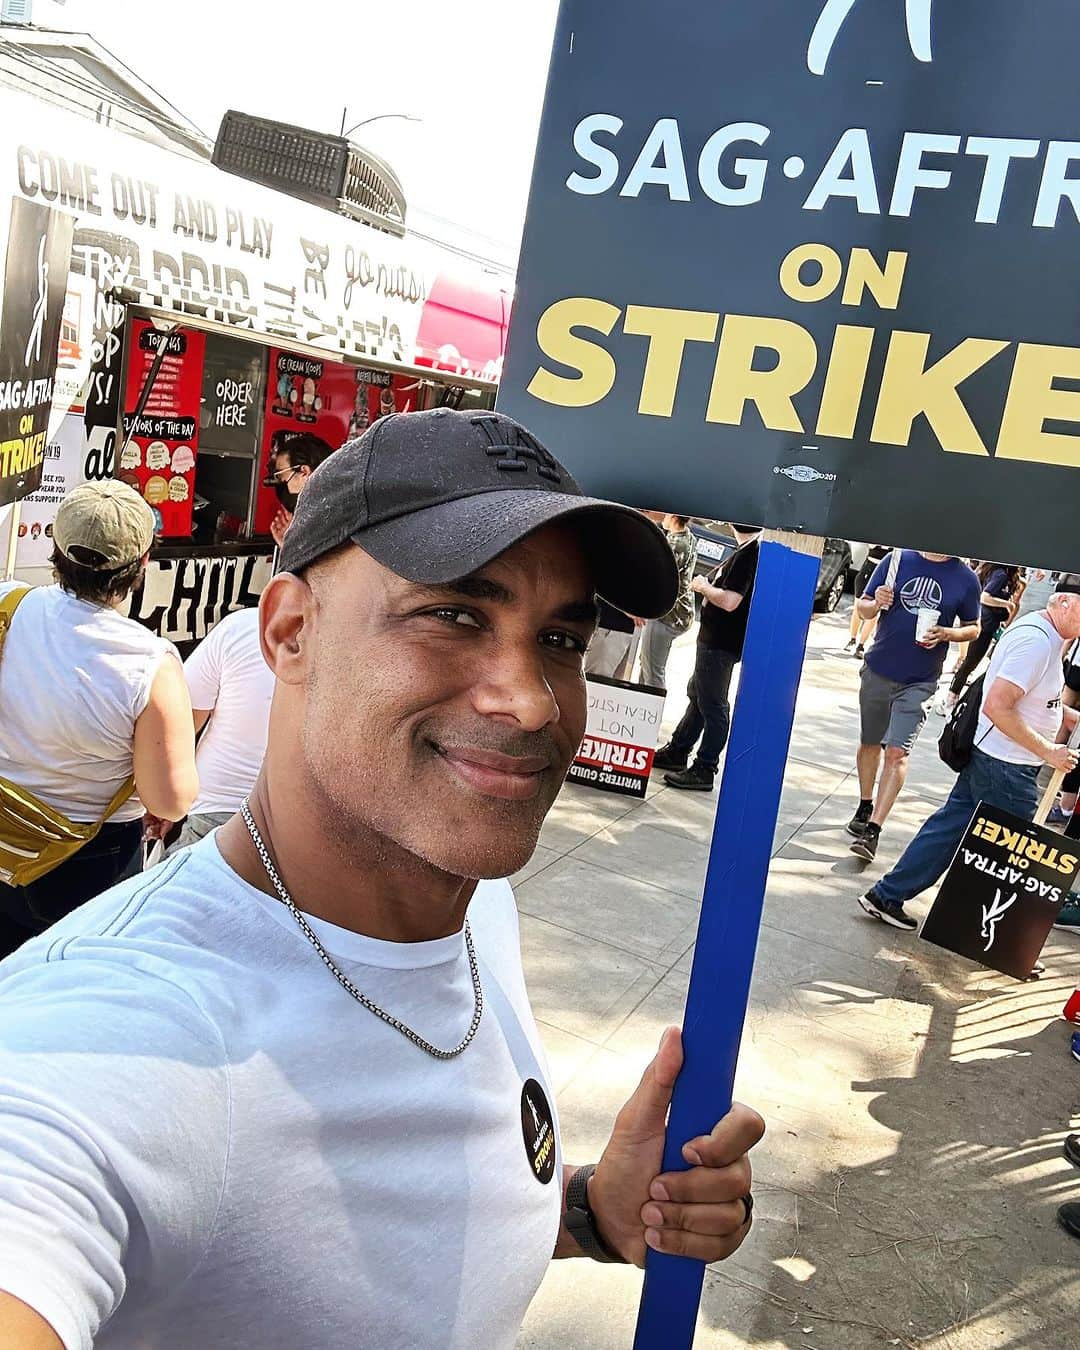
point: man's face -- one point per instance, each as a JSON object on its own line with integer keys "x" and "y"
{"x": 1068, "y": 615}
{"x": 283, "y": 471}
{"x": 445, "y": 718}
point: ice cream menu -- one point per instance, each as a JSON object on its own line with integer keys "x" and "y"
{"x": 331, "y": 399}
{"x": 158, "y": 457}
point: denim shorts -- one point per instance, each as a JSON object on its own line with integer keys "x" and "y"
{"x": 891, "y": 713}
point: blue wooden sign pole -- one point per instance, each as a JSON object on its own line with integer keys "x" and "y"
{"x": 734, "y": 891}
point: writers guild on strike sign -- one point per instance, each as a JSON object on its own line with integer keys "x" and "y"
{"x": 1003, "y": 891}
{"x": 617, "y": 751}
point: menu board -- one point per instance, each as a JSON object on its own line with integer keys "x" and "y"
{"x": 160, "y": 444}
{"x": 234, "y": 384}
{"x": 332, "y": 399}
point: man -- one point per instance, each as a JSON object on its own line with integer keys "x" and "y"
{"x": 1019, "y": 727}
{"x": 94, "y": 706}
{"x": 900, "y": 674}
{"x": 1039, "y": 585}
{"x": 286, "y": 1090}
{"x": 294, "y": 457}
{"x": 659, "y": 634}
{"x": 724, "y": 611}
{"x": 611, "y": 645}
{"x": 231, "y": 687}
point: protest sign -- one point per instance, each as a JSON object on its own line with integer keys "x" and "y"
{"x": 803, "y": 263}
{"x": 620, "y": 736}
{"x": 35, "y": 281}
{"x": 794, "y": 252}
{"x": 62, "y": 471}
{"x": 1003, "y": 891}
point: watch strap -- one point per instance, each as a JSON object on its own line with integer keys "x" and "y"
{"x": 580, "y": 1221}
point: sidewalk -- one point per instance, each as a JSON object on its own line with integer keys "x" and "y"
{"x": 916, "y": 1105}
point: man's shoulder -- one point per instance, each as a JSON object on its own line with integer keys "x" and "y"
{"x": 155, "y": 934}
{"x": 1030, "y": 638}
{"x": 970, "y": 576}
{"x": 240, "y": 628}
{"x": 493, "y": 918}
{"x": 493, "y": 901}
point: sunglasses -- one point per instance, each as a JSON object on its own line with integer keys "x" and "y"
{"x": 281, "y": 477}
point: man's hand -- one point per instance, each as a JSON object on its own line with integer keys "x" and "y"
{"x": 1063, "y": 757}
{"x": 281, "y": 522}
{"x": 154, "y": 827}
{"x": 699, "y": 585}
{"x": 884, "y": 596}
{"x": 936, "y": 635}
{"x": 699, "y": 1213}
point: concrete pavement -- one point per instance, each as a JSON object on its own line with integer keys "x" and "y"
{"x": 916, "y": 1104}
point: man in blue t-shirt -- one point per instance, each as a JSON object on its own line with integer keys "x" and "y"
{"x": 900, "y": 674}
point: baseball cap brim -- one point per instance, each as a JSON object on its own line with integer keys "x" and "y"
{"x": 634, "y": 568}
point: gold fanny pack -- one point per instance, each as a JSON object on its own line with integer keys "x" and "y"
{"x": 35, "y": 838}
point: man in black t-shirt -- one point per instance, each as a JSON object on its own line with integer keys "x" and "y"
{"x": 725, "y": 609}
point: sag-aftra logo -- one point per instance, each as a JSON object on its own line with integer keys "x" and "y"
{"x": 835, "y": 14}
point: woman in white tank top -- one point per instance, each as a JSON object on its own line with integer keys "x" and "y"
{"x": 91, "y": 697}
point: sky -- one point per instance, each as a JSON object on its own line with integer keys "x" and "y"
{"x": 473, "y": 72}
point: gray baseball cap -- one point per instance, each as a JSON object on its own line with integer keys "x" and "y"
{"x": 434, "y": 496}
{"x": 104, "y": 525}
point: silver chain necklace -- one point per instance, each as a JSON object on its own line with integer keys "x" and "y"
{"x": 343, "y": 979}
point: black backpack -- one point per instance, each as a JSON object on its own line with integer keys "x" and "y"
{"x": 957, "y": 741}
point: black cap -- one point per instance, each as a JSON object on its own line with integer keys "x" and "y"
{"x": 436, "y": 495}
{"x": 1068, "y": 584}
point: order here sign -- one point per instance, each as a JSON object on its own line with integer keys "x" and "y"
{"x": 819, "y": 260}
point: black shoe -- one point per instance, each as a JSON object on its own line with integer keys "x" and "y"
{"x": 1069, "y": 1217}
{"x": 865, "y": 846}
{"x": 693, "y": 779}
{"x": 860, "y": 652}
{"x": 859, "y": 821}
{"x": 668, "y": 758}
{"x": 888, "y": 911}
{"x": 1072, "y": 1149}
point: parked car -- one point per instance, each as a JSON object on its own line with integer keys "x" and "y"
{"x": 839, "y": 561}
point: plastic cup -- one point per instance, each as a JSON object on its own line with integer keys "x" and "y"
{"x": 924, "y": 621}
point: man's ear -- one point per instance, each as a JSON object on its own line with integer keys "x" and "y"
{"x": 286, "y": 625}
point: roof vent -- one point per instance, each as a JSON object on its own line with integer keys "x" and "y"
{"x": 327, "y": 170}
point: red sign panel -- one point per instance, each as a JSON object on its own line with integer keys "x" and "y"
{"x": 329, "y": 398}
{"x": 158, "y": 459}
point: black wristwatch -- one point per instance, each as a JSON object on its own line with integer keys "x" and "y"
{"x": 580, "y": 1221}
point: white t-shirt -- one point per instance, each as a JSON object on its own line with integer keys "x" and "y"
{"x": 74, "y": 679}
{"x": 205, "y": 1141}
{"x": 226, "y": 673}
{"x": 1028, "y": 654}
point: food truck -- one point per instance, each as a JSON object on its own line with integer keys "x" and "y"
{"x": 201, "y": 314}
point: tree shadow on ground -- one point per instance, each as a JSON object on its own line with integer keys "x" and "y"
{"x": 950, "y": 1238}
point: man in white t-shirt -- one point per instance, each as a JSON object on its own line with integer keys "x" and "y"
{"x": 231, "y": 687}
{"x": 286, "y": 1090}
{"x": 1021, "y": 726}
